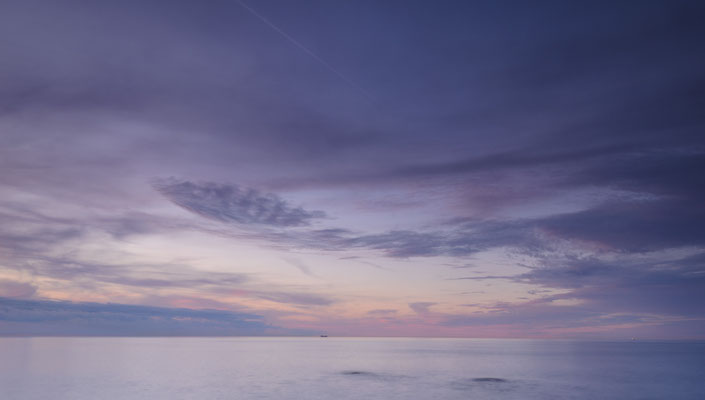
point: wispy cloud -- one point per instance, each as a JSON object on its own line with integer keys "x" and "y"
{"x": 230, "y": 203}
{"x": 305, "y": 299}
{"x": 659, "y": 221}
{"x": 668, "y": 285}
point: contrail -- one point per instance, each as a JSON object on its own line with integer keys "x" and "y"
{"x": 304, "y": 48}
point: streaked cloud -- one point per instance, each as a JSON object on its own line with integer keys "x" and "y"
{"x": 230, "y": 203}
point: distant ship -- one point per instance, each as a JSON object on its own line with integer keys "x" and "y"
{"x": 324, "y": 335}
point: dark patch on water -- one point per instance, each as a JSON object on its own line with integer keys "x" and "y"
{"x": 367, "y": 375}
{"x": 497, "y": 380}
{"x": 360, "y": 373}
{"x": 483, "y": 384}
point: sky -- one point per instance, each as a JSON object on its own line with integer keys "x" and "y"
{"x": 353, "y": 168}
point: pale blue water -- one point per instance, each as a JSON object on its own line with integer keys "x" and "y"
{"x": 346, "y": 368}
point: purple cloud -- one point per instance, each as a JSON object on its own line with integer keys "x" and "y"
{"x": 230, "y": 203}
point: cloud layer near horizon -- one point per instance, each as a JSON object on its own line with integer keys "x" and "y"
{"x": 55, "y": 318}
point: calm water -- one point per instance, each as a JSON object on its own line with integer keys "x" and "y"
{"x": 346, "y": 368}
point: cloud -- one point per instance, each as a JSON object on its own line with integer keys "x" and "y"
{"x": 231, "y": 204}
{"x": 548, "y": 316}
{"x": 305, "y": 299}
{"x": 421, "y": 307}
{"x": 632, "y": 226}
{"x": 133, "y": 275}
{"x": 645, "y": 296}
{"x": 636, "y": 226}
{"x": 400, "y": 243}
{"x": 29, "y": 233}
{"x": 658, "y": 284}
{"x": 301, "y": 266}
{"x": 456, "y": 238}
{"x": 655, "y": 295}
{"x": 42, "y": 317}
{"x": 567, "y": 317}
{"x": 26, "y": 232}
{"x": 664, "y": 211}
{"x": 31, "y": 241}
{"x": 512, "y": 160}
{"x": 674, "y": 173}
{"x": 14, "y": 289}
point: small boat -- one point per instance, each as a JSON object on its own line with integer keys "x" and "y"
{"x": 324, "y": 335}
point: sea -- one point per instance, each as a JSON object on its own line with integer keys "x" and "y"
{"x": 331, "y": 368}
